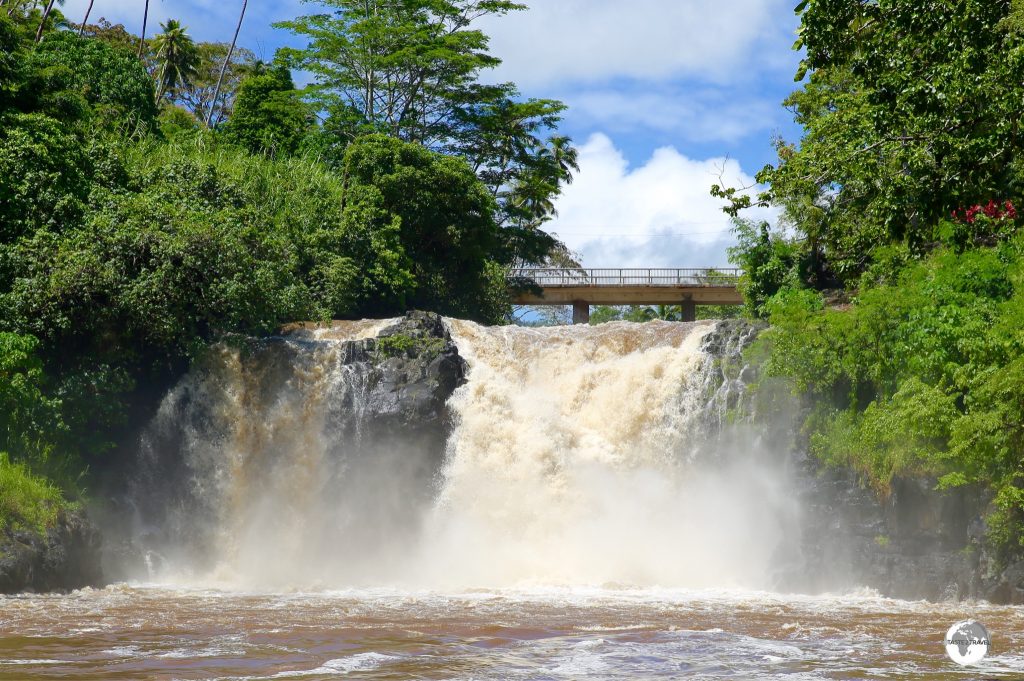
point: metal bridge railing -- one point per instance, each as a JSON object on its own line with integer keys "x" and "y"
{"x": 692, "y": 276}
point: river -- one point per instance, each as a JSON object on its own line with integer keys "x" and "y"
{"x": 579, "y": 520}
{"x": 152, "y": 632}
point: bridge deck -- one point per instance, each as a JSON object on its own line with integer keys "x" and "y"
{"x": 582, "y": 288}
{"x": 627, "y": 286}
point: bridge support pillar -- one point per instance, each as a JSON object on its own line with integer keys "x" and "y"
{"x": 580, "y": 312}
{"x": 688, "y": 310}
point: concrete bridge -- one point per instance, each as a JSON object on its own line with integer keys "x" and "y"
{"x": 581, "y": 288}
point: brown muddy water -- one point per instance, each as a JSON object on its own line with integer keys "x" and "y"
{"x": 572, "y": 462}
{"x": 153, "y": 632}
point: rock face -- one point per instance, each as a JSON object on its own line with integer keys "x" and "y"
{"x": 415, "y": 369}
{"x": 257, "y": 419}
{"x": 411, "y": 369}
{"x": 914, "y": 542}
{"x": 66, "y": 557}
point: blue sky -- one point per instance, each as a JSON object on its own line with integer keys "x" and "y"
{"x": 664, "y": 96}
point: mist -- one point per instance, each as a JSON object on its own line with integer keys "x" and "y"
{"x": 574, "y": 456}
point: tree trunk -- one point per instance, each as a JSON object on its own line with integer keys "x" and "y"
{"x": 160, "y": 84}
{"x": 142, "y": 39}
{"x": 224, "y": 66}
{"x": 88, "y": 11}
{"x": 42, "y": 22}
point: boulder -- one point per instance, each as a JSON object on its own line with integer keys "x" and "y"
{"x": 66, "y": 557}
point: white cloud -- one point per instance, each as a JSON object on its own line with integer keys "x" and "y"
{"x": 559, "y": 41}
{"x": 660, "y": 214}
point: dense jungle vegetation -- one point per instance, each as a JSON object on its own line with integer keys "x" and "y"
{"x": 158, "y": 194}
{"x": 894, "y": 276}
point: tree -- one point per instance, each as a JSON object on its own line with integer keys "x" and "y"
{"x": 45, "y": 176}
{"x": 411, "y": 69}
{"x": 142, "y": 36}
{"x": 85, "y": 19}
{"x": 114, "y": 34}
{"x": 198, "y": 94}
{"x": 910, "y": 111}
{"x": 444, "y": 217}
{"x": 269, "y": 115}
{"x": 227, "y": 60}
{"x": 110, "y": 78}
{"x": 28, "y": 416}
{"x": 45, "y": 16}
{"x": 176, "y": 57}
{"x": 11, "y": 59}
{"x": 770, "y": 262}
{"x": 402, "y": 68}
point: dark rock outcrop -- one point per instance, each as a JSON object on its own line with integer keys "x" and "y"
{"x": 915, "y": 542}
{"x": 912, "y": 542}
{"x": 375, "y": 407}
{"x": 1007, "y": 586}
{"x": 415, "y": 369}
{"x": 66, "y": 557}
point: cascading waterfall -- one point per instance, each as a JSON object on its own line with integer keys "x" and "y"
{"x": 576, "y": 455}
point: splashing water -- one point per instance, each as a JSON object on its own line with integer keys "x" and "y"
{"x": 569, "y": 527}
{"x": 573, "y": 460}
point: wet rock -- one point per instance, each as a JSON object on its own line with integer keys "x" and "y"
{"x": 415, "y": 369}
{"x": 66, "y": 557}
{"x": 914, "y": 541}
{"x": 356, "y": 415}
{"x": 730, "y": 337}
{"x": 1008, "y": 587}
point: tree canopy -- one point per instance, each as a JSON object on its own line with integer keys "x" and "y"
{"x": 910, "y": 111}
{"x": 411, "y": 70}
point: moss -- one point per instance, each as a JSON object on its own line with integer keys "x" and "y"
{"x": 401, "y": 344}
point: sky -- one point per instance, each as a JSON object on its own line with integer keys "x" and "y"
{"x": 665, "y": 97}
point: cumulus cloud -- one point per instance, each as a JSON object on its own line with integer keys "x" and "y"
{"x": 659, "y": 214}
{"x": 721, "y": 41}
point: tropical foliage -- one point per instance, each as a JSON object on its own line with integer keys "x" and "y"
{"x": 412, "y": 70}
{"x": 894, "y": 278}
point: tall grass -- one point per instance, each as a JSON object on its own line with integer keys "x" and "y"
{"x": 27, "y": 501}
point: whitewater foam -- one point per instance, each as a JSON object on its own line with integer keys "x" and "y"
{"x": 575, "y": 459}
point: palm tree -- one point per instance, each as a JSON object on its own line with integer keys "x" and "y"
{"x": 19, "y": 5}
{"x": 532, "y": 198}
{"x": 46, "y": 15}
{"x": 224, "y": 67}
{"x": 142, "y": 38}
{"x": 668, "y": 313}
{"x": 85, "y": 20}
{"x": 563, "y": 157}
{"x": 176, "y": 57}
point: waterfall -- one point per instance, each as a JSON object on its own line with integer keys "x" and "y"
{"x": 569, "y": 456}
